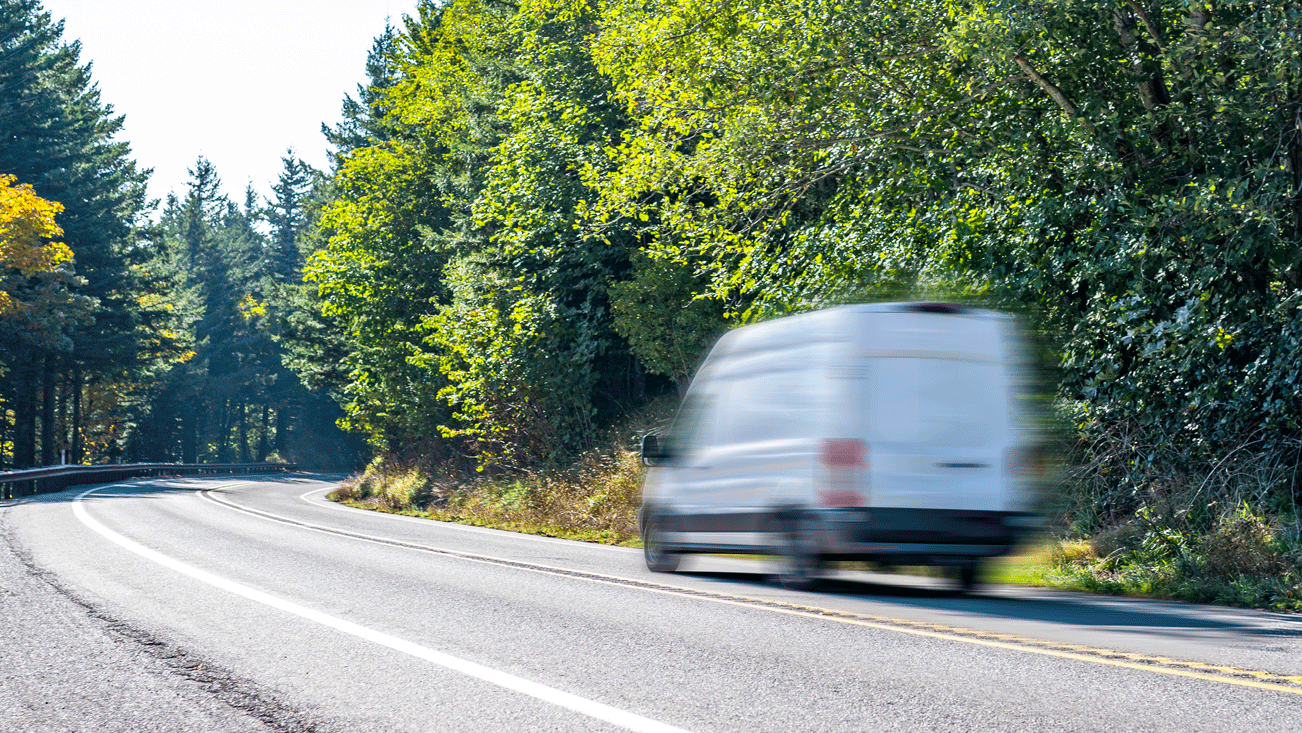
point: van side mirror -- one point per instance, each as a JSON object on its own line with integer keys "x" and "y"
{"x": 653, "y": 452}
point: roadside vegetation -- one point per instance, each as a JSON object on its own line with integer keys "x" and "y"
{"x": 1227, "y": 531}
{"x": 539, "y": 214}
{"x": 542, "y": 213}
{"x": 1203, "y": 544}
{"x": 595, "y": 498}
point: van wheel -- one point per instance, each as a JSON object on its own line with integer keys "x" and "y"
{"x": 967, "y": 576}
{"x": 659, "y": 557}
{"x": 800, "y": 561}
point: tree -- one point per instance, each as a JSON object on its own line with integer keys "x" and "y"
{"x": 288, "y": 219}
{"x": 60, "y": 139}
{"x": 1129, "y": 171}
{"x": 473, "y": 302}
{"x": 26, "y": 223}
{"x": 669, "y": 327}
{"x": 400, "y": 203}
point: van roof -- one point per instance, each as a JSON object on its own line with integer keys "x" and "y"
{"x": 829, "y": 325}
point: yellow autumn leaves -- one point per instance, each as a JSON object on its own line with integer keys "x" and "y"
{"x": 27, "y": 230}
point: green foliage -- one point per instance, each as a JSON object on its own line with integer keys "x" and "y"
{"x": 471, "y": 299}
{"x": 1130, "y": 175}
{"x": 376, "y": 279}
{"x": 530, "y": 197}
{"x": 520, "y": 367}
{"x": 1244, "y": 559}
{"x": 105, "y": 328}
{"x": 667, "y": 325}
{"x": 230, "y": 396}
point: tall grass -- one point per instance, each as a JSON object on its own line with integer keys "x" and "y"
{"x": 595, "y": 498}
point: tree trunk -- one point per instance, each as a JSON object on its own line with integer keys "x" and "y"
{"x": 25, "y": 413}
{"x": 189, "y": 437}
{"x": 48, "y": 455}
{"x": 224, "y": 433}
{"x": 61, "y": 415}
{"x": 639, "y": 379}
{"x": 682, "y": 383}
{"x": 77, "y": 444}
{"x": 5, "y": 405}
{"x": 244, "y": 432}
{"x": 282, "y": 428}
{"x": 262, "y": 434}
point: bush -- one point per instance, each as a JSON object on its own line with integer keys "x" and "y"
{"x": 1139, "y": 517}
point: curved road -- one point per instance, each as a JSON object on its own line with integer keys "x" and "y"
{"x": 254, "y": 604}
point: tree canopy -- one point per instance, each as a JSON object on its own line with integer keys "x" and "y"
{"x": 541, "y": 213}
{"x": 559, "y": 185}
{"x": 27, "y": 231}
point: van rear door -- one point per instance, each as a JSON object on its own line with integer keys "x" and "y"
{"x": 940, "y": 413}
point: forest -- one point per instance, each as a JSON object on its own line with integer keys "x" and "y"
{"x": 539, "y": 214}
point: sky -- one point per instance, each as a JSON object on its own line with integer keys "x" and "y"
{"x": 236, "y": 81}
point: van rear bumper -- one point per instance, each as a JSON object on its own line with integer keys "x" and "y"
{"x": 872, "y": 532}
{"x": 899, "y": 536}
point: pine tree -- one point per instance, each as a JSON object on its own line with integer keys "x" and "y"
{"x": 287, "y": 217}
{"x": 60, "y": 138}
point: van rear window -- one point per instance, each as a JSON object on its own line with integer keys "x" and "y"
{"x": 937, "y": 402}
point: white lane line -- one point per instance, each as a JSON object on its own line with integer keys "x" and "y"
{"x": 143, "y": 484}
{"x": 455, "y": 525}
{"x": 560, "y": 698}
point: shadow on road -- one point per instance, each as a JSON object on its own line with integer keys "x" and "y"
{"x": 1028, "y": 604}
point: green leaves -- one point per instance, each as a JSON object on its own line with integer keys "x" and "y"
{"x": 549, "y": 187}
{"x": 456, "y": 261}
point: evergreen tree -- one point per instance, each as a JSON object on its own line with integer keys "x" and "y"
{"x": 60, "y": 138}
{"x": 288, "y": 218}
{"x": 363, "y": 118}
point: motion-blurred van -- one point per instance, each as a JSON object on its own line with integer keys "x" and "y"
{"x": 894, "y": 433}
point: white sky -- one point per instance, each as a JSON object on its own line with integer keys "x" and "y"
{"x": 237, "y": 81}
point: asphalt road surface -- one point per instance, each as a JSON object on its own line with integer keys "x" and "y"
{"x": 253, "y": 604}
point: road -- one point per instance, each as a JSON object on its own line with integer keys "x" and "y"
{"x": 253, "y": 604}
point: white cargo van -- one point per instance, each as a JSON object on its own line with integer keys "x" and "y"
{"x": 897, "y": 433}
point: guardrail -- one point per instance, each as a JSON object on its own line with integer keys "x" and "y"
{"x": 14, "y": 484}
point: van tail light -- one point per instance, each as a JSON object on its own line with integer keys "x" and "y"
{"x": 843, "y": 462}
{"x": 843, "y": 454}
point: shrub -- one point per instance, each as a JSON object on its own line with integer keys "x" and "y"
{"x": 594, "y": 498}
{"x": 1139, "y": 516}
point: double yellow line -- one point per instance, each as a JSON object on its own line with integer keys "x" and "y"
{"x": 1079, "y": 652}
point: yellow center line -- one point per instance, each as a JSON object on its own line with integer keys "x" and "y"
{"x": 1063, "y": 650}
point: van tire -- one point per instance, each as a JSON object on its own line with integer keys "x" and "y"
{"x": 799, "y": 559}
{"x": 967, "y": 576}
{"x": 659, "y": 557}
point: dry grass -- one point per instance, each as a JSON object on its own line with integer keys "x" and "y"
{"x": 595, "y": 499}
